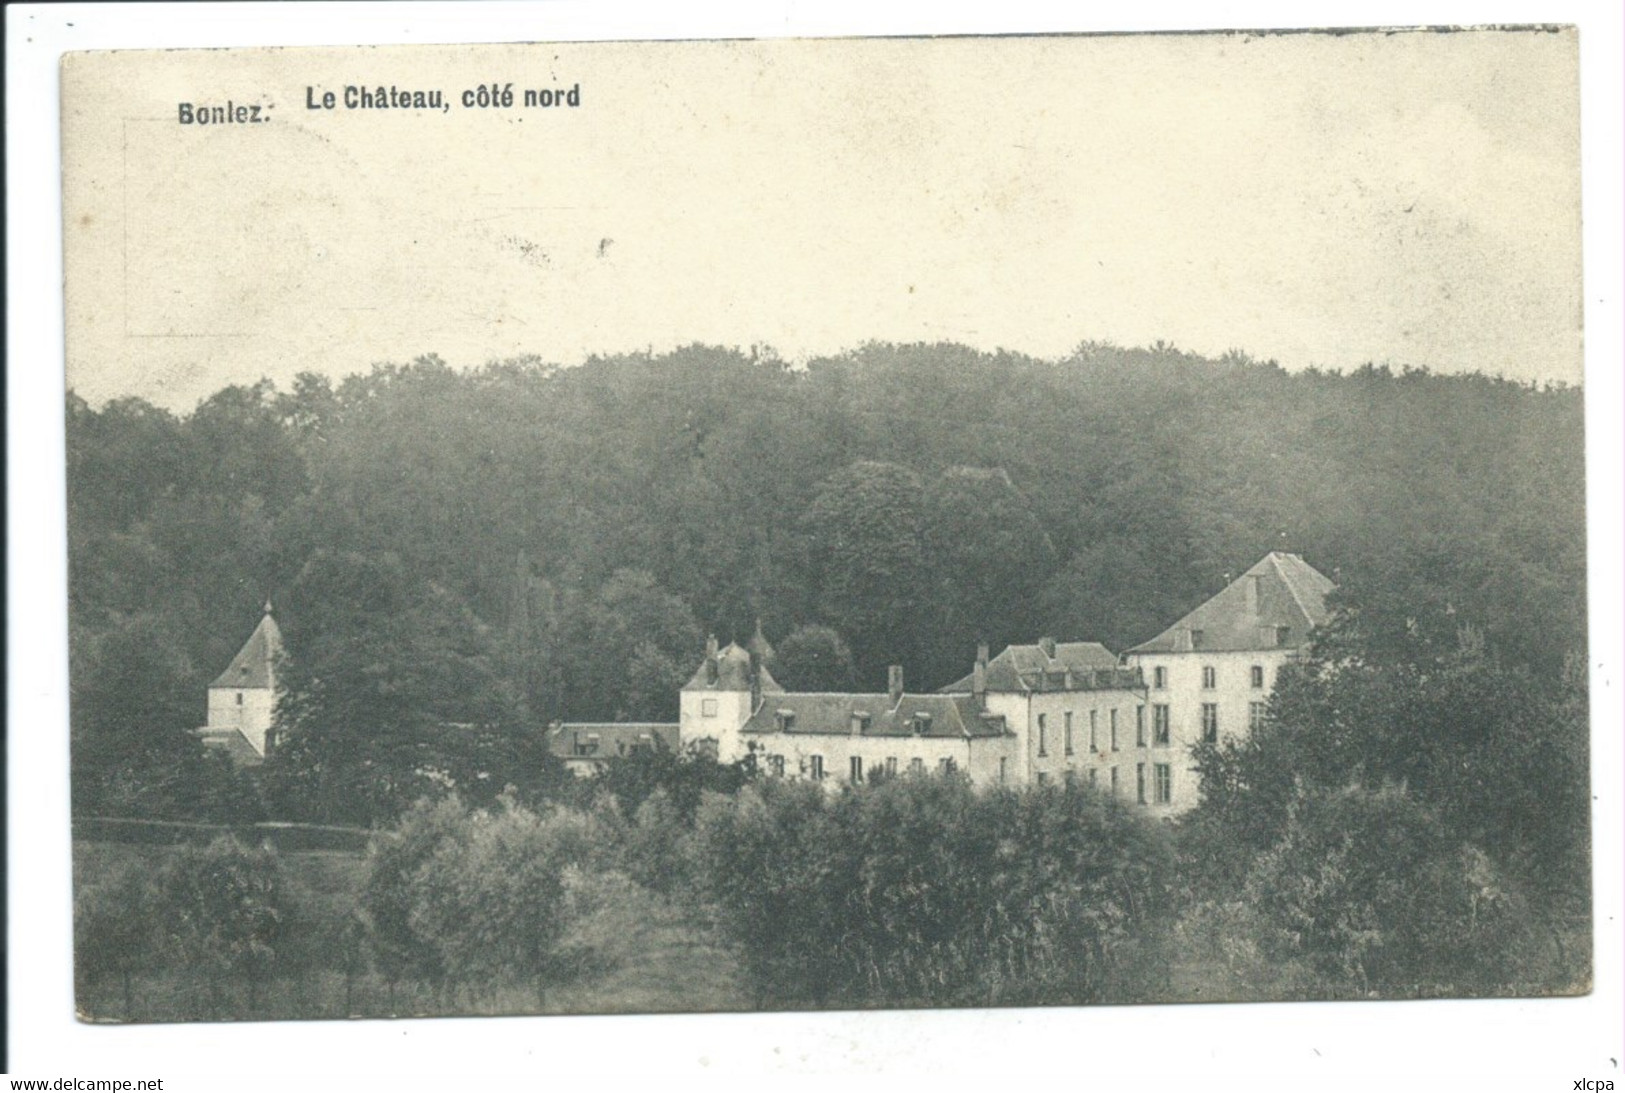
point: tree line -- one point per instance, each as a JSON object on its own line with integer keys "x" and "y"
{"x": 499, "y": 547}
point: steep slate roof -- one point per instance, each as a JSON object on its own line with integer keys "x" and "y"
{"x": 733, "y": 674}
{"x": 954, "y": 716}
{"x": 252, "y": 666}
{"x": 233, "y": 743}
{"x": 1288, "y": 592}
{"x": 1030, "y": 668}
{"x": 615, "y": 738}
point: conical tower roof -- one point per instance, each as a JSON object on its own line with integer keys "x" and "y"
{"x": 254, "y": 664}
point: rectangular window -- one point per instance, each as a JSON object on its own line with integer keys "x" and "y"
{"x": 1258, "y": 677}
{"x": 1094, "y": 739}
{"x": 815, "y": 767}
{"x": 1114, "y": 729}
{"x": 1160, "y": 724}
{"x": 1163, "y": 787}
{"x": 1042, "y": 741}
{"x": 1139, "y": 782}
{"x": 947, "y": 765}
{"x": 775, "y": 765}
{"x": 891, "y": 766}
{"x": 1139, "y": 726}
{"x": 1210, "y": 722}
{"x": 1043, "y": 779}
{"x": 1092, "y": 779}
{"x": 856, "y": 763}
{"x": 916, "y": 766}
{"x": 1255, "y": 716}
{"x": 1114, "y": 781}
{"x": 1210, "y": 677}
{"x": 239, "y": 698}
{"x": 1001, "y": 770}
{"x": 708, "y": 707}
{"x": 1069, "y": 732}
{"x": 1159, "y": 678}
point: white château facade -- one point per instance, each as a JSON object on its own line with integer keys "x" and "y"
{"x": 1048, "y": 712}
{"x": 1034, "y": 714}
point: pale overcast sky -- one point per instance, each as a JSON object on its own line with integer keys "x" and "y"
{"x": 1321, "y": 200}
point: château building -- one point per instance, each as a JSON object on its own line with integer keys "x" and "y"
{"x": 1209, "y": 675}
{"x": 1047, "y": 712}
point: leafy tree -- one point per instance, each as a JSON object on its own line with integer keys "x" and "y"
{"x": 1501, "y": 757}
{"x": 1374, "y": 893}
{"x": 989, "y": 557}
{"x": 681, "y": 777}
{"x": 918, "y": 890}
{"x": 493, "y": 900}
{"x": 224, "y": 911}
{"x": 116, "y": 933}
{"x": 814, "y": 658}
{"x": 401, "y": 950}
{"x": 474, "y": 899}
{"x": 864, "y": 536}
{"x": 391, "y": 692}
{"x": 133, "y": 753}
{"x": 632, "y": 646}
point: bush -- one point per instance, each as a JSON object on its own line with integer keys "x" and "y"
{"x": 475, "y": 900}
{"x": 115, "y": 933}
{"x": 225, "y": 913}
{"x": 394, "y": 860}
{"x": 921, "y": 891}
{"x": 1368, "y": 890}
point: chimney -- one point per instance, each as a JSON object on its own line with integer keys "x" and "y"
{"x": 894, "y": 683}
{"x": 1048, "y": 646}
{"x": 978, "y": 677}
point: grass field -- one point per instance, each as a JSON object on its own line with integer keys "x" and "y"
{"x": 638, "y": 953}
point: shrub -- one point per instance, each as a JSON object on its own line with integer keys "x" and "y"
{"x": 115, "y": 933}
{"x": 1369, "y": 890}
{"x": 475, "y": 899}
{"x": 394, "y": 859}
{"x": 224, "y": 909}
{"x": 919, "y": 890}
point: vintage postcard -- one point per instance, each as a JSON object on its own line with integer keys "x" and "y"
{"x": 845, "y": 524}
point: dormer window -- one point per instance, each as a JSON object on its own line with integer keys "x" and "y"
{"x": 922, "y": 723}
{"x": 785, "y": 719}
{"x": 1283, "y": 635}
{"x": 861, "y": 721}
{"x": 1196, "y": 639}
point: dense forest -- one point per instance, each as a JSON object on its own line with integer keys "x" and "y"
{"x": 522, "y": 542}
{"x": 458, "y": 557}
